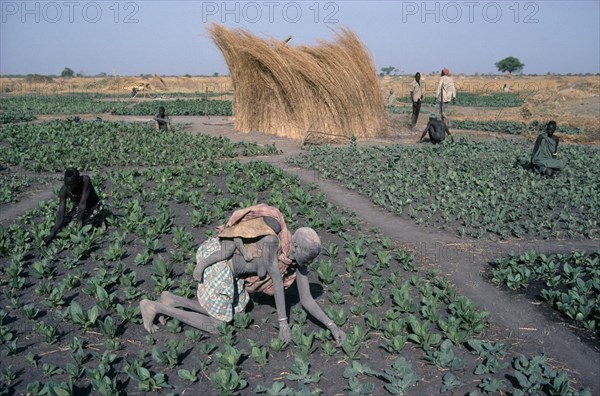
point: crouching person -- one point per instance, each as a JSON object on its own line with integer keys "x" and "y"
{"x": 270, "y": 261}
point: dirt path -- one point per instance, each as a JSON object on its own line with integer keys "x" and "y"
{"x": 462, "y": 261}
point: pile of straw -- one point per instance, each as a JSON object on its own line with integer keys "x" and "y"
{"x": 299, "y": 92}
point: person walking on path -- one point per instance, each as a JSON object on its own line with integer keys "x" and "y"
{"x": 446, "y": 92}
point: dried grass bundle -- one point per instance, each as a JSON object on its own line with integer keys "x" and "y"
{"x": 326, "y": 90}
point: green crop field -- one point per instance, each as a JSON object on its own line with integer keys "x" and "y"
{"x": 477, "y": 100}
{"x": 480, "y": 189}
{"x": 53, "y": 145}
{"x": 70, "y": 322}
{"x": 90, "y": 104}
{"x": 569, "y": 283}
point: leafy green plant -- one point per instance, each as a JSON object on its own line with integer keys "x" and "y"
{"x": 449, "y": 382}
{"x": 492, "y": 385}
{"x": 146, "y": 381}
{"x": 339, "y": 316}
{"x": 171, "y": 355}
{"x": 400, "y": 377}
{"x": 260, "y": 355}
{"x": 188, "y": 375}
{"x": 227, "y": 381}
{"x": 49, "y": 332}
{"x": 277, "y": 388}
{"x": 229, "y": 357}
{"x": 326, "y": 273}
{"x": 491, "y": 354}
{"x": 277, "y": 344}
{"x": 444, "y": 356}
{"x": 421, "y": 334}
{"x": 299, "y": 371}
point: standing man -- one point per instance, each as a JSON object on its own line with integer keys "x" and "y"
{"x": 416, "y": 95}
{"x": 446, "y": 92}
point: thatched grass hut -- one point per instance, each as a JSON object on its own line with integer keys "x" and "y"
{"x": 323, "y": 91}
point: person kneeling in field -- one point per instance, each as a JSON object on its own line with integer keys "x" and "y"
{"x": 437, "y": 130}
{"x": 162, "y": 122}
{"x": 545, "y": 151}
{"x": 227, "y": 273}
{"x": 87, "y": 207}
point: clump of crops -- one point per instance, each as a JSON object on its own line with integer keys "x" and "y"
{"x": 198, "y": 107}
{"x": 59, "y": 104}
{"x": 570, "y": 283}
{"x": 11, "y": 186}
{"x": 511, "y": 127}
{"x": 53, "y": 145}
{"x": 8, "y": 116}
{"x": 331, "y": 89}
{"x": 70, "y": 321}
{"x": 471, "y": 188}
{"x": 477, "y": 100}
{"x": 22, "y": 108}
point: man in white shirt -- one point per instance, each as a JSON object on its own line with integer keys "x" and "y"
{"x": 416, "y": 95}
{"x": 446, "y": 92}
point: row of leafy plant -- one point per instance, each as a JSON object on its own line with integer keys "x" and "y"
{"x": 58, "y": 104}
{"x": 179, "y": 107}
{"x": 472, "y": 188}
{"x": 70, "y": 322}
{"x": 9, "y": 116}
{"x": 570, "y": 283}
{"x": 512, "y": 127}
{"x": 53, "y": 145}
{"x": 88, "y": 104}
{"x": 93, "y": 92}
{"x": 477, "y": 100}
{"x": 11, "y": 186}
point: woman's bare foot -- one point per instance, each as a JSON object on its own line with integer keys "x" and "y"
{"x": 148, "y": 311}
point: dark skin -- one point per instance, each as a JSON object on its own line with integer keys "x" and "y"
{"x": 161, "y": 120}
{"x": 550, "y": 129}
{"x": 416, "y": 104}
{"x": 430, "y": 125}
{"x": 196, "y": 316}
{"x": 82, "y": 194}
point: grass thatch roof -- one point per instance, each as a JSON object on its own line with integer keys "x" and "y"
{"x": 326, "y": 90}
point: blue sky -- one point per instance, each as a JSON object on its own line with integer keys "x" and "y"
{"x": 170, "y": 37}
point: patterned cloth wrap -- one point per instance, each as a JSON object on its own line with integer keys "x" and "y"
{"x": 287, "y": 267}
{"x": 220, "y": 293}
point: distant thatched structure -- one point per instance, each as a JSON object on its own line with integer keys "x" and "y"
{"x": 323, "y": 91}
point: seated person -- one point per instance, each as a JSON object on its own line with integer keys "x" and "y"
{"x": 437, "y": 130}
{"x": 162, "y": 121}
{"x": 87, "y": 207}
{"x": 226, "y": 276}
{"x": 545, "y": 151}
